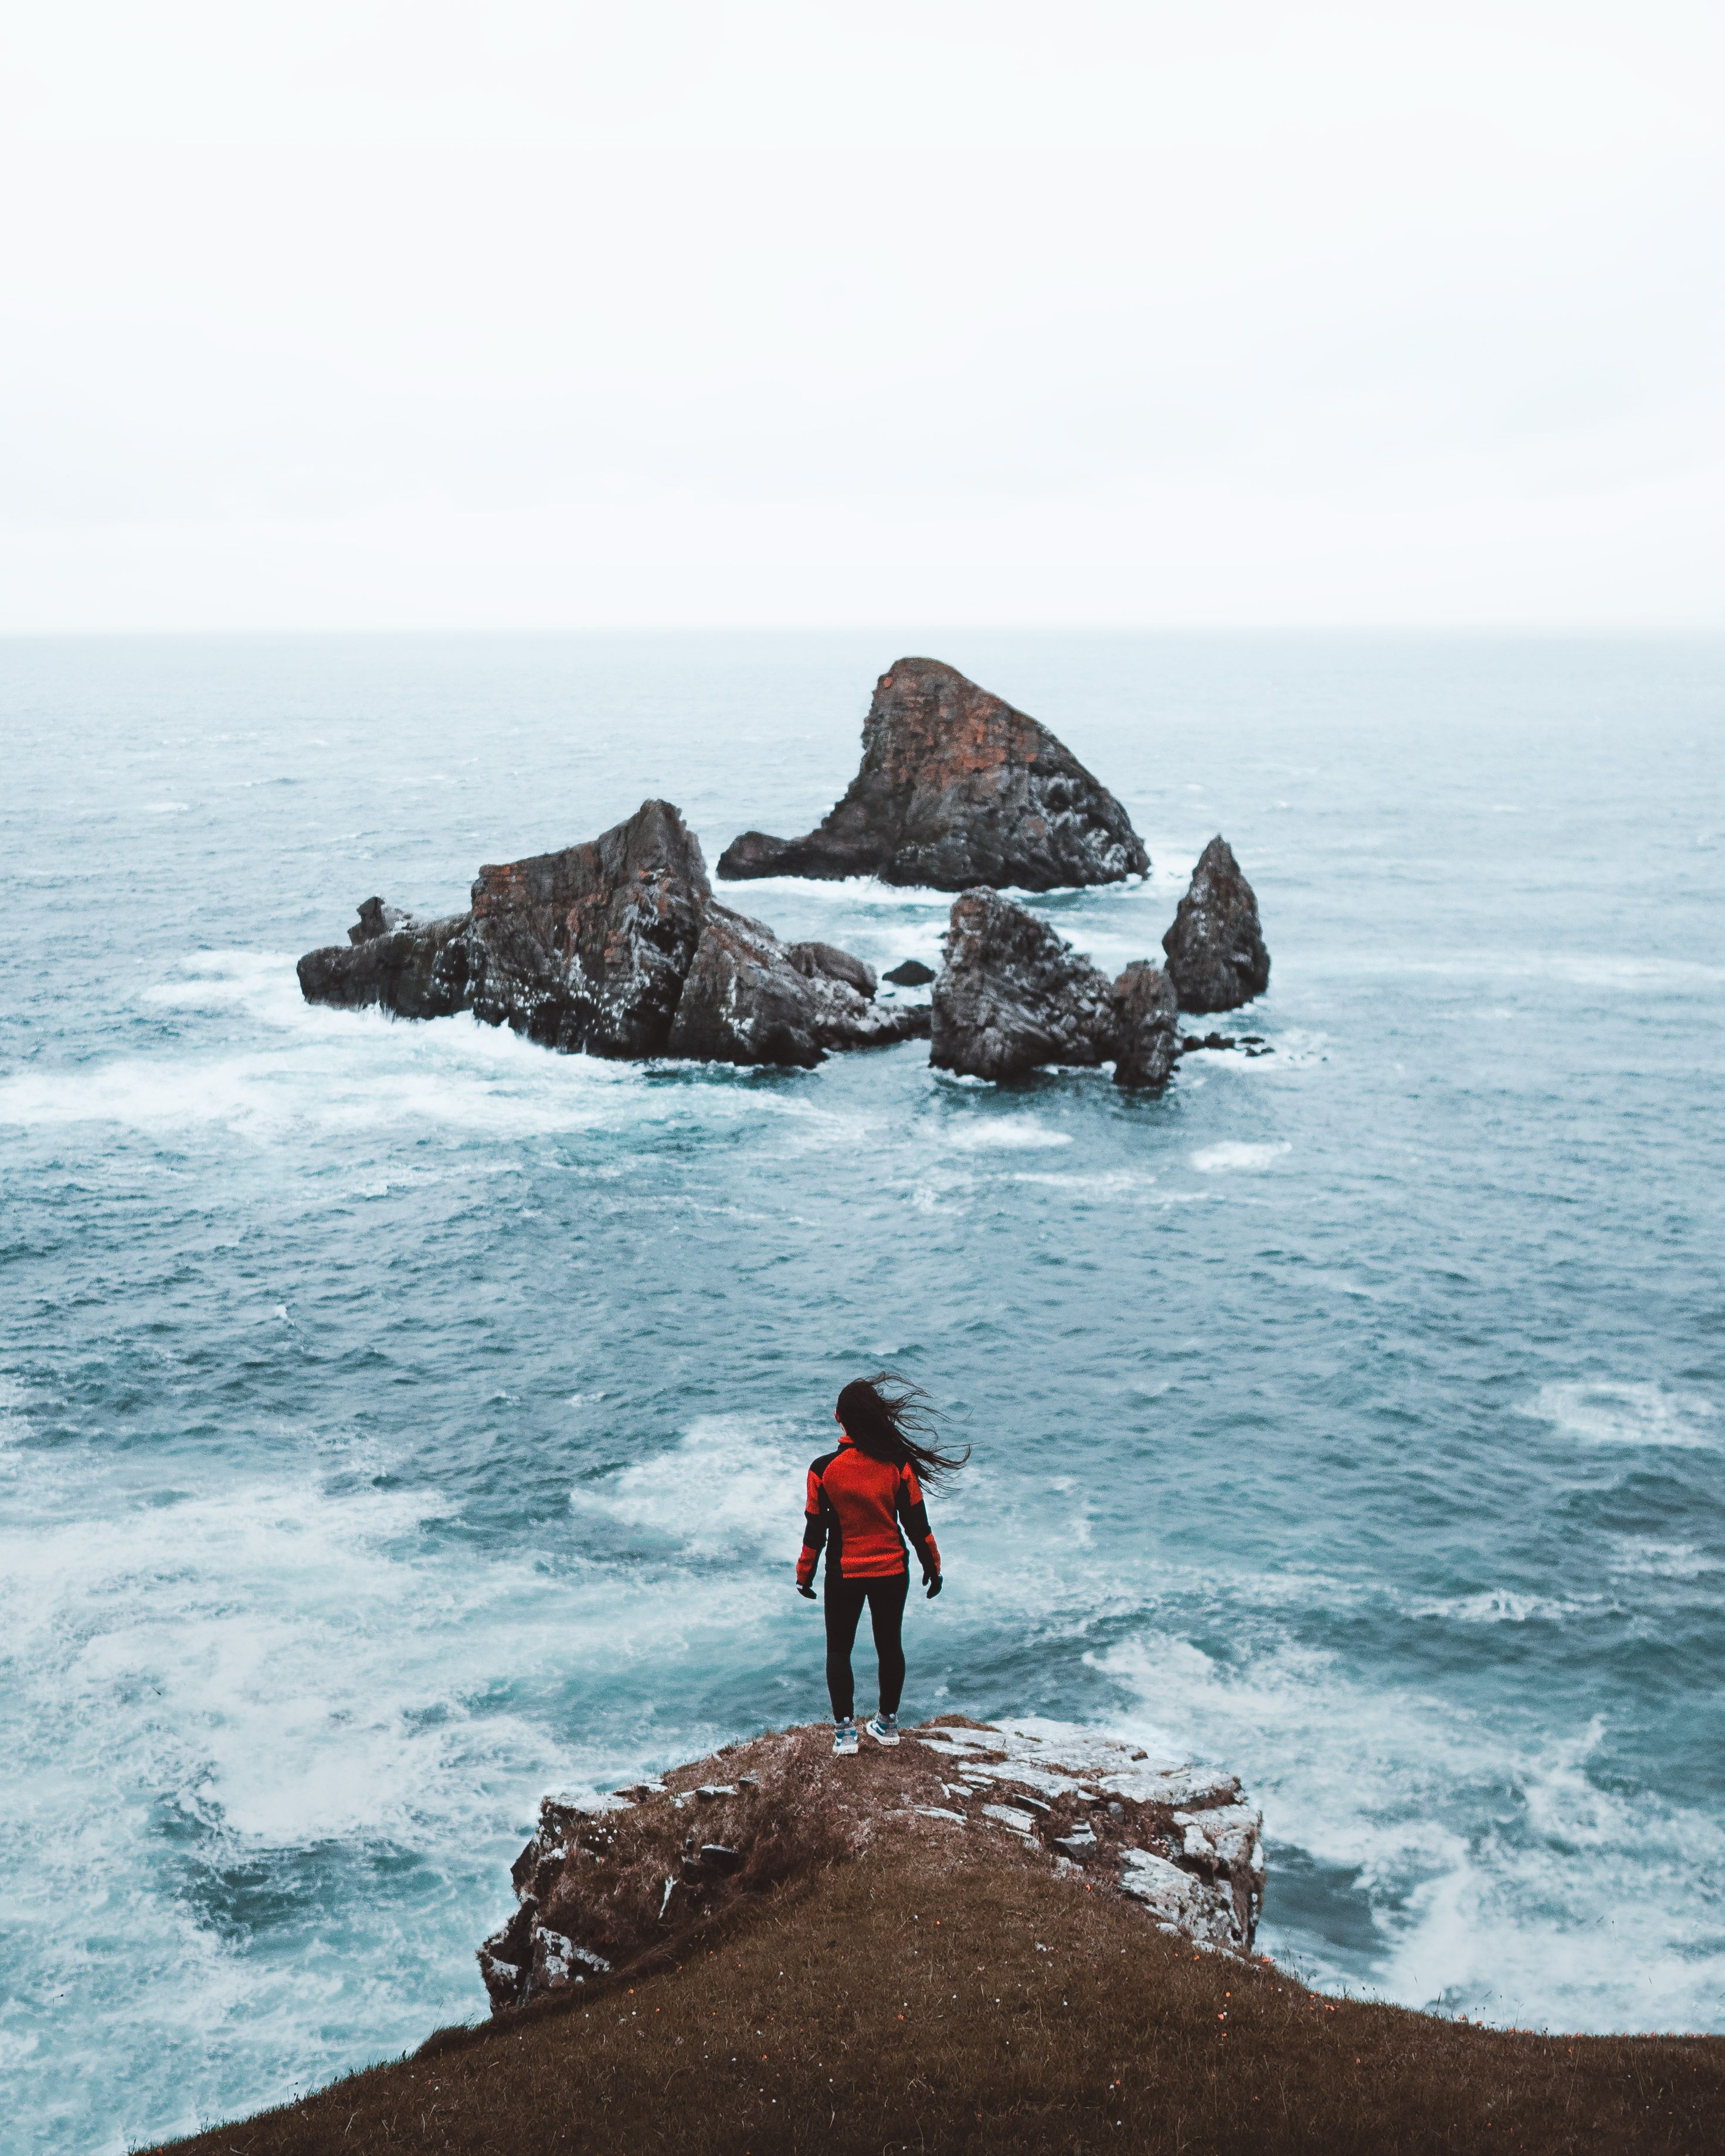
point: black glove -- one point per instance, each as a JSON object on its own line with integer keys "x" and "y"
{"x": 931, "y": 1581}
{"x": 807, "y": 1591}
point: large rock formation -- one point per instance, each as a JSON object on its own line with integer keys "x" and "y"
{"x": 1012, "y": 995}
{"x": 603, "y": 1884}
{"x": 1216, "y": 958}
{"x": 956, "y": 788}
{"x": 746, "y": 998}
{"x": 1148, "y": 1037}
{"x": 617, "y": 947}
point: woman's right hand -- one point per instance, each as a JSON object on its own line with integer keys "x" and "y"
{"x": 807, "y": 1591}
{"x": 931, "y": 1581}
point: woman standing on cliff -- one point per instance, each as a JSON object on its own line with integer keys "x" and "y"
{"x": 857, "y": 1497}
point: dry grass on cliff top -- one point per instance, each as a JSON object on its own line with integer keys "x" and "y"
{"x": 909, "y": 2000}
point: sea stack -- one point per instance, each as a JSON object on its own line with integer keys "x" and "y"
{"x": 617, "y": 947}
{"x": 957, "y": 788}
{"x": 1147, "y": 1030}
{"x": 1014, "y": 995}
{"x": 1216, "y": 958}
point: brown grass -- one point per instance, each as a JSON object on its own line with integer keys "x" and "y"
{"x": 960, "y": 2000}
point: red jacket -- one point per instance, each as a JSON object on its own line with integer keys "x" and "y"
{"x": 854, "y": 1507}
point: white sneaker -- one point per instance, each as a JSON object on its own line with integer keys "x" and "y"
{"x": 883, "y": 1728}
{"x": 844, "y": 1740}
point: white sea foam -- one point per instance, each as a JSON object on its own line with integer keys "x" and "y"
{"x": 1237, "y": 1156}
{"x": 13, "y": 1425}
{"x": 308, "y": 1068}
{"x": 1503, "y": 1605}
{"x": 1408, "y": 1796}
{"x": 1624, "y": 1414}
{"x": 1006, "y": 1133}
{"x": 855, "y": 895}
{"x": 264, "y": 1674}
{"x": 1116, "y": 1183}
{"x": 729, "y": 1485}
{"x": 1657, "y": 1560}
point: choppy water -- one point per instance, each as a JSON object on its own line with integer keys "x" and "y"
{"x": 396, "y": 1422}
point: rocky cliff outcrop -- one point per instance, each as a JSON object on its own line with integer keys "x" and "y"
{"x": 1148, "y": 1037}
{"x": 1012, "y": 995}
{"x": 1216, "y": 958}
{"x": 617, "y": 947}
{"x": 747, "y": 1000}
{"x": 415, "y": 969}
{"x": 956, "y": 788}
{"x": 602, "y": 1885}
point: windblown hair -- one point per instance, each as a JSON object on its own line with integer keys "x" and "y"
{"x": 890, "y": 1419}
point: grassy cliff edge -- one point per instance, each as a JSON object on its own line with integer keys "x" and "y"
{"x": 893, "y": 1976}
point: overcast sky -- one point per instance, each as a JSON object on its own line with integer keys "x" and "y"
{"x": 340, "y": 315}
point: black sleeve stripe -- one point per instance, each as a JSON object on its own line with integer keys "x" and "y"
{"x": 917, "y": 1528}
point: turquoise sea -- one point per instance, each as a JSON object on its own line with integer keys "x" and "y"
{"x": 399, "y": 1422}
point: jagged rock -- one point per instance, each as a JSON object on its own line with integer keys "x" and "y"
{"x": 615, "y": 946}
{"x": 1147, "y": 1034}
{"x": 1179, "y": 1901}
{"x": 589, "y": 947}
{"x": 815, "y": 959}
{"x": 417, "y": 971}
{"x": 1013, "y": 995}
{"x": 957, "y": 788}
{"x": 603, "y": 1883}
{"x": 744, "y": 1002}
{"x": 506, "y": 1958}
{"x": 377, "y": 919}
{"x": 1216, "y": 958}
{"x": 910, "y": 973}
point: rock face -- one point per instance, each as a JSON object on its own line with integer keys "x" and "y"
{"x": 1216, "y": 958}
{"x": 1147, "y": 1039}
{"x": 1012, "y": 995}
{"x": 956, "y": 788}
{"x": 747, "y": 1000}
{"x": 604, "y": 1883}
{"x": 418, "y": 968}
{"x": 377, "y": 919}
{"x": 588, "y": 948}
{"x": 817, "y": 960}
{"x": 615, "y": 946}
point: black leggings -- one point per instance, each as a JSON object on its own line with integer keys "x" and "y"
{"x": 885, "y": 1598}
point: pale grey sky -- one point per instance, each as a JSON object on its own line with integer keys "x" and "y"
{"x": 515, "y": 315}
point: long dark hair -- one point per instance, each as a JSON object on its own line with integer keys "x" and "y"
{"x": 890, "y": 1419}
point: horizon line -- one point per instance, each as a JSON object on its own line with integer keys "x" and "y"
{"x": 885, "y": 626}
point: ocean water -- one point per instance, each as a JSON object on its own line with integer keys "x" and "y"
{"x": 398, "y": 1422}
